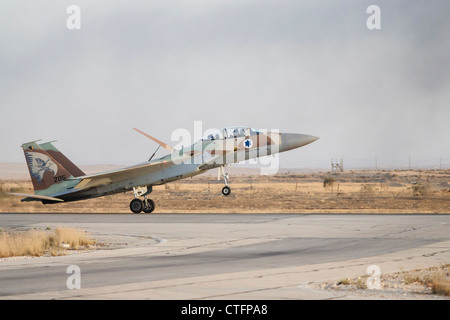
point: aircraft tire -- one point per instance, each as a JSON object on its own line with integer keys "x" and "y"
{"x": 226, "y": 190}
{"x": 136, "y": 205}
{"x": 150, "y": 207}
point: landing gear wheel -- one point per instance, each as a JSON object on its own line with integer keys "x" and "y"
{"x": 226, "y": 190}
{"x": 136, "y": 205}
{"x": 149, "y": 206}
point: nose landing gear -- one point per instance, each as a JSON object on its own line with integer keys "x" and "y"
{"x": 225, "y": 190}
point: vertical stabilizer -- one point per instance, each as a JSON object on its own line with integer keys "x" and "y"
{"x": 62, "y": 159}
{"x": 45, "y": 171}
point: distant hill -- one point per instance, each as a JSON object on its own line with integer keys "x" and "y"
{"x": 19, "y": 171}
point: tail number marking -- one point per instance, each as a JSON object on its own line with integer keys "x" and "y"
{"x": 59, "y": 178}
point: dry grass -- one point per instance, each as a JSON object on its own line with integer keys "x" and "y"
{"x": 421, "y": 189}
{"x": 38, "y": 242}
{"x": 440, "y": 283}
{"x": 368, "y": 188}
{"x": 436, "y": 278}
{"x": 73, "y": 237}
{"x": 429, "y": 281}
{"x": 319, "y": 192}
{"x": 32, "y": 243}
{"x": 358, "y": 283}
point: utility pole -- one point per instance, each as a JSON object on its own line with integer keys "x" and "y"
{"x": 409, "y": 161}
{"x": 376, "y": 164}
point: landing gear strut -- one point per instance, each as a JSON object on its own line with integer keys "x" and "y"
{"x": 225, "y": 190}
{"x": 137, "y": 205}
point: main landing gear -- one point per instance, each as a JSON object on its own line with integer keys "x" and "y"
{"x": 137, "y": 205}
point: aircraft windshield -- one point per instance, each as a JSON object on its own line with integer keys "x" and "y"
{"x": 213, "y": 134}
{"x": 229, "y": 132}
{"x": 234, "y": 132}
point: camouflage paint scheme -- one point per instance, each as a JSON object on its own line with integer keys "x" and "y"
{"x": 44, "y": 169}
{"x": 55, "y": 178}
{"x": 62, "y": 159}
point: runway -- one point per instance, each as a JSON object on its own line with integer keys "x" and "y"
{"x": 223, "y": 256}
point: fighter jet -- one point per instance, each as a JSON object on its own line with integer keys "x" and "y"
{"x": 56, "y": 179}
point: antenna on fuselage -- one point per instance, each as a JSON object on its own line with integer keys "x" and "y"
{"x": 161, "y": 144}
{"x": 154, "y": 153}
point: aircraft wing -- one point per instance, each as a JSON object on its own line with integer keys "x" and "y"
{"x": 105, "y": 178}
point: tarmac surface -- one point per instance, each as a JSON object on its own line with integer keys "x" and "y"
{"x": 223, "y": 256}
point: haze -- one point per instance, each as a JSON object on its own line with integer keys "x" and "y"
{"x": 309, "y": 67}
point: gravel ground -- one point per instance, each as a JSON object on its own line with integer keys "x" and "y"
{"x": 410, "y": 285}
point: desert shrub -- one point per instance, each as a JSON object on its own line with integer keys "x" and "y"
{"x": 421, "y": 189}
{"x": 2, "y": 191}
{"x": 359, "y": 283}
{"x": 73, "y": 237}
{"x": 440, "y": 283}
{"x": 367, "y": 188}
{"x": 329, "y": 182}
{"x": 17, "y": 189}
{"x": 435, "y": 278}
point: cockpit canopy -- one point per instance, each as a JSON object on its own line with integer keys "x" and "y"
{"x": 229, "y": 132}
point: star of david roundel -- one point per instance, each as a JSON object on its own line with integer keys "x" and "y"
{"x": 248, "y": 143}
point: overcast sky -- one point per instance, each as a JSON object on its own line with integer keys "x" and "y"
{"x": 309, "y": 67}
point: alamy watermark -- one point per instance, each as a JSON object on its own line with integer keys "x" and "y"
{"x": 74, "y": 280}
{"x": 374, "y": 20}
{"x": 374, "y": 280}
{"x": 73, "y": 21}
{"x": 217, "y": 147}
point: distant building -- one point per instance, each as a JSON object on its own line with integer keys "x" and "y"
{"x": 337, "y": 166}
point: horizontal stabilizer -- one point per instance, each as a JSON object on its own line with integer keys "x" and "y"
{"x": 35, "y": 197}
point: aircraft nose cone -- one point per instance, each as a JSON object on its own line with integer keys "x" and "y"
{"x": 291, "y": 141}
